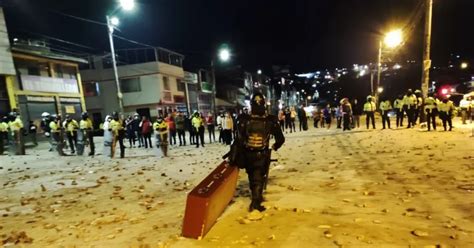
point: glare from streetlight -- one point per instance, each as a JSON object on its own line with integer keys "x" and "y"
{"x": 464, "y": 65}
{"x": 259, "y": 72}
{"x": 127, "y": 4}
{"x": 114, "y": 21}
{"x": 309, "y": 97}
{"x": 224, "y": 55}
{"x": 393, "y": 38}
{"x": 380, "y": 90}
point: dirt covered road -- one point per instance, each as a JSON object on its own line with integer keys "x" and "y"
{"x": 376, "y": 188}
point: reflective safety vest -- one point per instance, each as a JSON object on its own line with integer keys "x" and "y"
{"x": 398, "y": 104}
{"x": 385, "y": 105}
{"x": 54, "y": 127}
{"x": 369, "y": 107}
{"x": 160, "y": 127}
{"x": 197, "y": 122}
{"x": 71, "y": 126}
{"x": 15, "y": 125}
{"x": 446, "y": 107}
{"x": 430, "y": 103}
{"x": 419, "y": 101}
{"x": 85, "y": 124}
{"x": 3, "y": 127}
{"x": 410, "y": 100}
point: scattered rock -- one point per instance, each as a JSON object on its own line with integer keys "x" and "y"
{"x": 420, "y": 233}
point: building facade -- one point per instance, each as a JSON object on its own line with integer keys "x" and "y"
{"x": 151, "y": 81}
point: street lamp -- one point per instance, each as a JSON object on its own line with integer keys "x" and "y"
{"x": 224, "y": 56}
{"x": 112, "y": 23}
{"x": 464, "y": 65}
{"x": 391, "y": 40}
{"x": 259, "y": 72}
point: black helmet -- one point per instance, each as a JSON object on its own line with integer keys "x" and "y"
{"x": 258, "y": 104}
{"x": 115, "y": 115}
{"x": 84, "y": 115}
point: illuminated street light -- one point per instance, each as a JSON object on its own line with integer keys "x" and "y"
{"x": 309, "y": 97}
{"x": 127, "y": 4}
{"x": 114, "y": 21}
{"x": 393, "y": 38}
{"x": 224, "y": 54}
{"x": 380, "y": 90}
{"x": 464, "y": 65}
{"x": 259, "y": 72}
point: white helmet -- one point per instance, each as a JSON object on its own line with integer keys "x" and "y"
{"x": 45, "y": 114}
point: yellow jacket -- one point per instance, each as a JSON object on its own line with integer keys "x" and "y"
{"x": 71, "y": 126}
{"x": 197, "y": 122}
{"x": 410, "y": 100}
{"x": 446, "y": 107}
{"x": 116, "y": 127}
{"x": 398, "y": 104}
{"x": 3, "y": 127}
{"x": 54, "y": 127}
{"x": 385, "y": 106}
{"x": 369, "y": 107}
{"x": 160, "y": 127}
{"x": 430, "y": 103}
{"x": 86, "y": 124}
{"x": 15, "y": 125}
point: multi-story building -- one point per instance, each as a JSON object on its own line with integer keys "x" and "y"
{"x": 151, "y": 81}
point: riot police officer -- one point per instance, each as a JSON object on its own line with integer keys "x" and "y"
{"x": 87, "y": 130}
{"x": 3, "y": 133}
{"x": 431, "y": 111}
{"x": 16, "y": 128}
{"x": 57, "y": 140}
{"x": 250, "y": 149}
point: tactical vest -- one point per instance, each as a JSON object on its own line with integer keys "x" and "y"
{"x": 257, "y": 133}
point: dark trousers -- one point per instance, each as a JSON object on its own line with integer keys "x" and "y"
{"x": 315, "y": 123}
{"x": 221, "y": 136}
{"x": 72, "y": 140}
{"x": 257, "y": 170}
{"x": 385, "y": 119}
{"x": 139, "y": 138}
{"x": 192, "y": 135}
{"x": 446, "y": 117}
{"x": 181, "y": 137}
{"x": 346, "y": 122}
{"x": 282, "y": 125}
{"x": 172, "y": 134}
{"x": 119, "y": 139}
{"x": 227, "y": 133}
{"x": 90, "y": 137}
{"x": 292, "y": 125}
{"x": 212, "y": 133}
{"x": 416, "y": 114}
{"x": 431, "y": 119}
{"x": 58, "y": 142}
{"x": 338, "y": 122}
{"x": 400, "y": 118}
{"x": 200, "y": 136}
{"x": 369, "y": 116}
{"x": 410, "y": 110}
{"x": 147, "y": 140}
{"x": 2, "y": 143}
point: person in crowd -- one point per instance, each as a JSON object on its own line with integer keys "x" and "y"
{"x": 146, "y": 130}
{"x": 137, "y": 129}
{"x": 171, "y": 128}
{"x": 220, "y": 120}
{"x": 356, "y": 113}
{"x": 3, "y": 133}
{"x": 161, "y": 135}
{"x": 398, "y": 105}
{"x": 16, "y": 128}
{"x": 369, "y": 109}
{"x": 198, "y": 124}
{"x": 211, "y": 126}
{"x": 321, "y": 116}
{"x": 316, "y": 117}
{"x": 338, "y": 117}
{"x": 281, "y": 119}
{"x": 71, "y": 126}
{"x": 118, "y": 134}
{"x": 446, "y": 108}
{"x": 292, "y": 119}
{"x": 189, "y": 126}
{"x": 130, "y": 132}
{"x": 180, "y": 128}
{"x": 288, "y": 119}
{"x": 87, "y": 130}
{"x": 108, "y": 137}
{"x": 228, "y": 128}
{"x": 410, "y": 106}
{"x": 385, "y": 107}
{"x": 32, "y": 131}
{"x": 419, "y": 106}
{"x": 346, "y": 111}
{"x": 327, "y": 116}
{"x": 56, "y": 134}
{"x": 464, "y": 105}
{"x": 302, "y": 118}
{"x": 431, "y": 110}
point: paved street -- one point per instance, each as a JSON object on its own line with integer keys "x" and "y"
{"x": 329, "y": 188}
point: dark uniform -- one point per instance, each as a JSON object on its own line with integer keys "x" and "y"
{"x": 431, "y": 110}
{"x": 251, "y": 147}
{"x": 87, "y": 130}
{"x": 3, "y": 133}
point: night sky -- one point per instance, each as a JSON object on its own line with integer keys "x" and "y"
{"x": 305, "y": 34}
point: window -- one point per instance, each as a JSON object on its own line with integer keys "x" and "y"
{"x": 166, "y": 83}
{"x": 91, "y": 89}
{"x": 181, "y": 86}
{"x": 58, "y": 69}
{"x": 167, "y": 97}
{"x": 34, "y": 71}
{"x": 130, "y": 85}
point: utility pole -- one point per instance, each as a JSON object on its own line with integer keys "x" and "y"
{"x": 425, "y": 78}
{"x": 110, "y": 28}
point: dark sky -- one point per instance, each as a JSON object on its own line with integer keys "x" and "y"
{"x": 306, "y": 34}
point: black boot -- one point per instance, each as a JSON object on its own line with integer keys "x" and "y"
{"x": 257, "y": 198}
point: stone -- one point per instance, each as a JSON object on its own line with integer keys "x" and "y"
{"x": 420, "y": 233}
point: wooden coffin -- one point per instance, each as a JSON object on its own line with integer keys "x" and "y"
{"x": 208, "y": 200}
